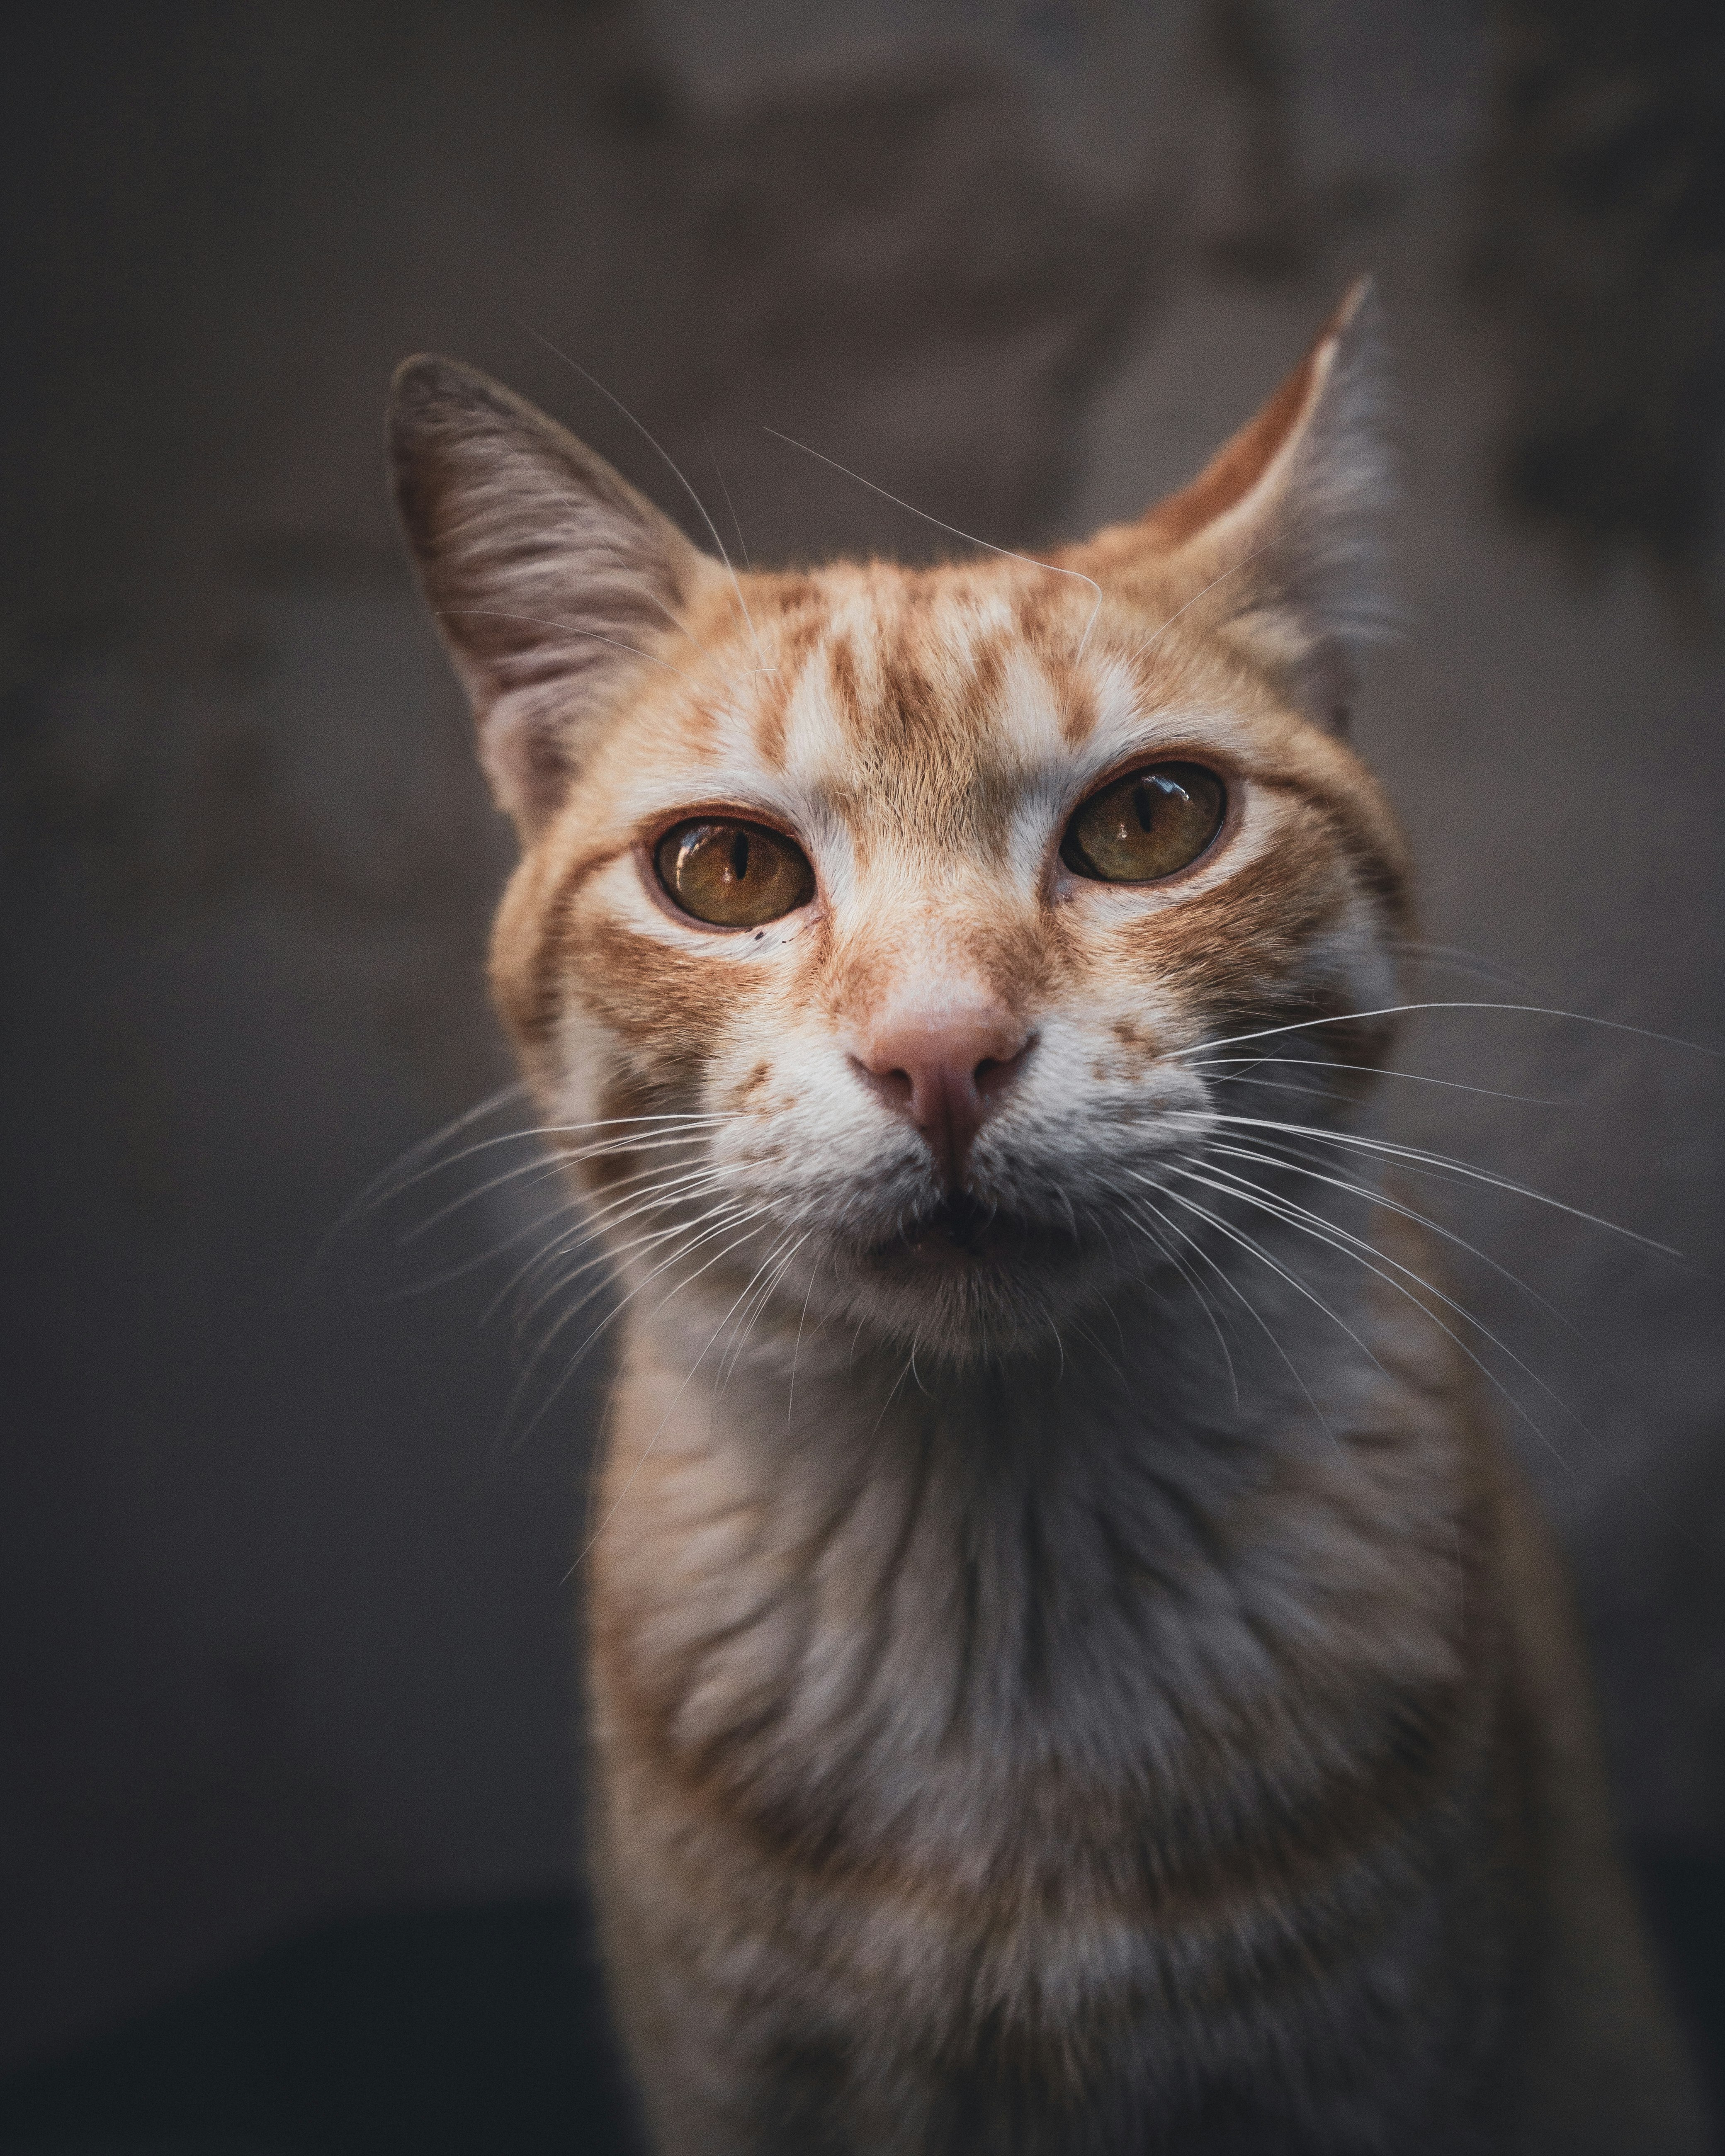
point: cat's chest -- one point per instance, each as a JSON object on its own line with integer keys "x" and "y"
{"x": 1021, "y": 1692}
{"x": 917, "y": 1798}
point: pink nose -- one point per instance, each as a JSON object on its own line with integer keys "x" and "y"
{"x": 946, "y": 1077}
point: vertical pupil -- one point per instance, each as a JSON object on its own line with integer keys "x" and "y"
{"x": 740, "y": 855}
{"x": 1144, "y": 801}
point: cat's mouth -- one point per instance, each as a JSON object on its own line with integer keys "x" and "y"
{"x": 961, "y": 1231}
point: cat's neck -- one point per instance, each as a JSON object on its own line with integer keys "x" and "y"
{"x": 1063, "y": 1568}
{"x": 1149, "y": 1457}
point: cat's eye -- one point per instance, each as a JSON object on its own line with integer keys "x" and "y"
{"x": 1147, "y": 825}
{"x": 732, "y": 875}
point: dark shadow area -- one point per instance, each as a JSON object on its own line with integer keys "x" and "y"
{"x": 1684, "y": 1896}
{"x": 1601, "y": 255}
{"x": 431, "y": 2032}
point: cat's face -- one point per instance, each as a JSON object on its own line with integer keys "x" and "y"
{"x": 928, "y": 895}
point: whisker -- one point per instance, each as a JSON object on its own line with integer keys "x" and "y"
{"x": 1246, "y": 1243}
{"x": 1191, "y": 1278}
{"x": 1349, "y": 1245}
{"x": 1315, "y": 1223}
{"x": 724, "y": 489}
{"x": 622, "y": 1142}
{"x": 969, "y": 537}
{"x": 1374, "y": 1069}
{"x": 669, "y": 462}
{"x": 688, "y": 1380}
{"x": 1245, "y": 562}
{"x": 587, "y": 1345}
{"x": 599, "y": 1223}
{"x": 1398, "y": 1010}
{"x": 1382, "y": 1198}
{"x": 796, "y": 1348}
{"x": 558, "y": 1163}
{"x": 487, "y": 1254}
{"x": 764, "y": 1288}
{"x": 737, "y": 1220}
{"x": 480, "y": 1109}
{"x": 603, "y": 1231}
{"x": 1391, "y": 1149}
{"x": 1461, "y": 962}
{"x": 545, "y": 1167}
{"x": 763, "y": 1296}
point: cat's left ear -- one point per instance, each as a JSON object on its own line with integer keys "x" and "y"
{"x": 556, "y": 587}
{"x": 1276, "y": 544}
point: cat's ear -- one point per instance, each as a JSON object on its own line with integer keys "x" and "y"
{"x": 1277, "y": 544}
{"x": 555, "y": 585}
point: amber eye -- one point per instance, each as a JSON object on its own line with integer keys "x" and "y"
{"x": 732, "y": 875}
{"x": 1145, "y": 825}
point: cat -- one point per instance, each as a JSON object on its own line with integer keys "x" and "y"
{"x": 1071, "y": 1667}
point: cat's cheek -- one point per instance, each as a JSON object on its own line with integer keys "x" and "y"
{"x": 670, "y": 1003}
{"x": 796, "y": 1118}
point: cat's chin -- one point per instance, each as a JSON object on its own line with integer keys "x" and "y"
{"x": 966, "y": 1277}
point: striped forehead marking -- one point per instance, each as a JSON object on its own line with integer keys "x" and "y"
{"x": 912, "y": 684}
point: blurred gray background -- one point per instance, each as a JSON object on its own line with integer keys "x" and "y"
{"x": 290, "y": 1636}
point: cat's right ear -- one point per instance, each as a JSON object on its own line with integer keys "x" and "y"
{"x": 1276, "y": 545}
{"x": 554, "y": 584}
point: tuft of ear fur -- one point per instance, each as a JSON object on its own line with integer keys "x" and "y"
{"x": 552, "y": 582}
{"x": 1276, "y": 544}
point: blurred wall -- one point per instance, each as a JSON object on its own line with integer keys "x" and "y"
{"x": 289, "y": 1623}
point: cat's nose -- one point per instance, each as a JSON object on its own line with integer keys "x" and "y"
{"x": 946, "y": 1076}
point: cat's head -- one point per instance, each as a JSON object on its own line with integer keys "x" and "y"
{"x": 909, "y": 918}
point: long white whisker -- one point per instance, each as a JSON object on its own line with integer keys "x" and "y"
{"x": 487, "y": 1254}
{"x": 1256, "y": 1250}
{"x": 969, "y": 537}
{"x": 797, "y": 1348}
{"x": 1459, "y": 961}
{"x": 1314, "y": 1224}
{"x": 1191, "y": 1279}
{"x": 738, "y": 1219}
{"x": 1349, "y": 1245}
{"x": 762, "y": 1296}
{"x": 605, "y": 1323}
{"x": 766, "y": 1286}
{"x": 1245, "y": 562}
{"x": 627, "y": 1138}
{"x": 1377, "y": 1070}
{"x": 1390, "y": 1149}
{"x": 604, "y": 1230}
{"x": 736, "y": 521}
{"x": 669, "y": 461}
{"x": 1286, "y": 1160}
{"x": 417, "y": 1151}
{"x": 688, "y": 1380}
{"x": 546, "y": 1168}
{"x": 1398, "y": 1010}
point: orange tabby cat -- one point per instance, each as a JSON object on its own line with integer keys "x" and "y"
{"x": 1072, "y": 1669}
